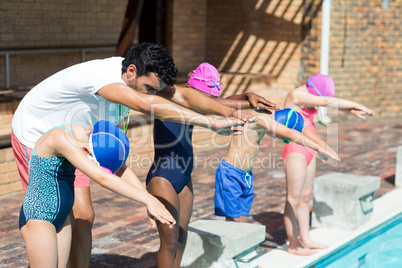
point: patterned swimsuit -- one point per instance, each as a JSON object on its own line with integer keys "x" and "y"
{"x": 50, "y": 194}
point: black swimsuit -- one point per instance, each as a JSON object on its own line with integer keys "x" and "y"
{"x": 173, "y": 153}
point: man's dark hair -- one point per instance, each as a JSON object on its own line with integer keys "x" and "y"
{"x": 150, "y": 57}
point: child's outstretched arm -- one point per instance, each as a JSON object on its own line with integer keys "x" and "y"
{"x": 327, "y": 150}
{"x": 78, "y": 157}
{"x": 249, "y": 100}
{"x": 312, "y": 141}
{"x": 128, "y": 175}
{"x": 309, "y": 140}
{"x": 359, "y": 113}
{"x": 300, "y": 98}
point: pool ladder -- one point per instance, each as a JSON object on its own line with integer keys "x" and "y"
{"x": 370, "y": 198}
{"x": 366, "y": 202}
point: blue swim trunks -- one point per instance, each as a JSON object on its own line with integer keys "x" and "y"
{"x": 234, "y": 191}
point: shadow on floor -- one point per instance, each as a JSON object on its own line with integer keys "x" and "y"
{"x": 275, "y": 229}
{"x": 148, "y": 260}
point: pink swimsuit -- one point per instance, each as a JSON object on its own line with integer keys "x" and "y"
{"x": 292, "y": 147}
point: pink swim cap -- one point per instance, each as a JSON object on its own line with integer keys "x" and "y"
{"x": 321, "y": 85}
{"x": 206, "y": 78}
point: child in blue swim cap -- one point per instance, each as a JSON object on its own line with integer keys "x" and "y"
{"x": 291, "y": 119}
{"x": 109, "y": 146}
{"x": 44, "y": 217}
{"x": 234, "y": 191}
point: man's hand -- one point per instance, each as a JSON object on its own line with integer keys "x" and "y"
{"x": 258, "y": 102}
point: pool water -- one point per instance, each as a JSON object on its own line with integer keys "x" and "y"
{"x": 380, "y": 247}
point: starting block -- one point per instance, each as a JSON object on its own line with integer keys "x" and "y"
{"x": 343, "y": 201}
{"x": 219, "y": 244}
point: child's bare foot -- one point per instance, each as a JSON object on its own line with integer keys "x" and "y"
{"x": 301, "y": 251}
{"x": 312, "y": 244}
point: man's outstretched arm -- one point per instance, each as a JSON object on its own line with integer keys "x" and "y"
{"x": 198, "y": 101}
{"x": 160, "y": 107}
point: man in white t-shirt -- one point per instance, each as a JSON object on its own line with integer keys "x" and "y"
{"x": 106, "y": 90}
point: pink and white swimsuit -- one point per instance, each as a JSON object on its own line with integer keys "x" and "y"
{"x": 292, "y": 147}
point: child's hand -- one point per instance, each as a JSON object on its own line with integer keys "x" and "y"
{"x": 223, "y": 126}
{"x": 360, "y": 113}
{"x": 157, "y": 211}
{"x": 328, "y": 151}
{"x": 151, "y": 220}
{"x": 360, "y": 110}
{"x": 245, "y": 116}
{"x": 259, "y": 102}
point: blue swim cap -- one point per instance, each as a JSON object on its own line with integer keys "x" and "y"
{"x": 110, "y": 145}
{"x": 291, "y": 119}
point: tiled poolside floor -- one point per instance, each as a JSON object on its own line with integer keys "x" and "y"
{"x": 122, "y": 236}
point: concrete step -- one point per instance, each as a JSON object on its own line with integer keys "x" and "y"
{"x": 343, "y": 201}
{"x": 215, "y": 243}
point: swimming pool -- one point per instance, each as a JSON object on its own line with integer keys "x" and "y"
{"x": 379, "y": 247}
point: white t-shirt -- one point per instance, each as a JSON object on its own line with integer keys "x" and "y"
{"x": 69, "y": 96}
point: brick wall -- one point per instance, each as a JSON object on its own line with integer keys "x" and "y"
{"x": 365, "y": 54}
{"x": 94, "y": 23}
{"x": 369, "y": 70}
{"x": 256, "y": 37}
{"x": 257, "y": 45}
{"x": 53, "y": 24}
{"x": 311, "y": 32}
{"x": 265, "y": 46}
{"x": 7, "y": 110}
{"x": 275, "y": 40}
{"x": 9, "y": 178}
{"x": 50, "y": 23}
{"x": 189, "y": 34}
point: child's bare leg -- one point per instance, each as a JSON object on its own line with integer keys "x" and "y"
{"x": 164, "y": 191}
{"x": 64, "y": 243}
{"x": 296, "y": 171}
{"x": 186, "y": 197}
{"x": 304, "y": 209}
{"x": 84, "y": 215}
{"x": 41, "y": 243}
{"x": 241, "y": 219}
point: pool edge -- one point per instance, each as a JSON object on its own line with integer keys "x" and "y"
{"x": 385, "y": 208}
